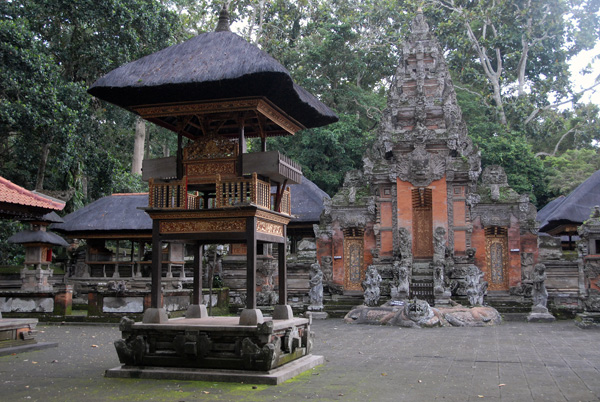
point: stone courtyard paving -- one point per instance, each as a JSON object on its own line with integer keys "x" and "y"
{"x": 512, "y": 362}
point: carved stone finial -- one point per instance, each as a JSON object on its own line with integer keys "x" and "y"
{"x": 223, "y": 24}
{"x": 419, "y": 26}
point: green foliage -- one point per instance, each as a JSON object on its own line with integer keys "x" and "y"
{"x": 506, "y": 148}
{"x": 51, "y": 52}
{"x": 327, "y": 153}
{"x": 10, "y": 254}
{"x": 342, "y": 51}
{"x": 567, "y": 171}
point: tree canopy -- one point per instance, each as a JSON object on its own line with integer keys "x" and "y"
{"x": 508, "y": 59}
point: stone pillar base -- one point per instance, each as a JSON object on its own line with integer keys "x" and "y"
{"x": 155, "y": 316}
{"x": 251, "y": 317}
{"x": 196, "y": 311}
{"x": 283, "y": 312}
{"x": 588, "y": 320}
{"x": 540, "y": 314}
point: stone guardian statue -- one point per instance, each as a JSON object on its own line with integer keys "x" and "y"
{"x": 371, "y": 287}
{"x": 316, "y": 288}
{"x": 539, "y": 294}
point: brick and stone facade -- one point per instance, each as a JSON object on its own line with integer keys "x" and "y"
{"x": 418, "y": 201}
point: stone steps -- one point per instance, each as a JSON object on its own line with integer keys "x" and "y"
{"x": 337, "y": 306}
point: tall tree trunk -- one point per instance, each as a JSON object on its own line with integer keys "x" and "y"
{"x": 138, "y": 146}
{"x": 39, "y": 181}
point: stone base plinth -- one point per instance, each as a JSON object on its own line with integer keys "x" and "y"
{"x": 317, "y": 315}
{"x": 540, "y": 314}
{"x": 18, "y": 335}
{"x": 540, "y": 317}
{"x": 588, "y": 320}
{"x": 271, "y": 377}
{"x": 214, "y": 343}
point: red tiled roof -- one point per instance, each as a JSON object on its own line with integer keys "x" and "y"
{"x": 10, "y": 193}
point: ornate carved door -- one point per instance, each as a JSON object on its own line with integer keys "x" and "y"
{"x": 496, "y": 258}
{"x": 422, "y": 223}
{"x": 354, "y": 273}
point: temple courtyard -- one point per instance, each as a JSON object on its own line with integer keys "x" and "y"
{"x": 516, "y": 361}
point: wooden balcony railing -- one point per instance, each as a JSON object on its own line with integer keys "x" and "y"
{"x": 243, "y": 191}
{"x": 286, "y": 203}
{"x": 273, "y": 165}
{"x": 228, "y": 193}
{"x": 168, "y": 195}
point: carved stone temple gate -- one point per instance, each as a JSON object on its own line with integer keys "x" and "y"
{"x": 214, "y": 191}
{"x": 421, "y": 200}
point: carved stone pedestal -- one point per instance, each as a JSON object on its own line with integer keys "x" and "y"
{"x": 251, "y": 317}
{"x": 196, "y": 311}
{"x": 442, "y": 299}
{"x": 36, "y": 280}
{"x": 155, "y": 316}
{"x": 540, "y": 314}
{"x": 588, "y": 320}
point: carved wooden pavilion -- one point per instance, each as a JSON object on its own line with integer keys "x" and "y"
{"x": 215, "y": 91}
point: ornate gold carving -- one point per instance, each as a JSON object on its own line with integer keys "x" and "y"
{"x": 269, "y": 228}
{"x": 202, "y": 226}
{"x": 282, "y": 121}
{"x": 210, "y": 168}
{"x": 496, "y": 261}
{"x": 272, "y": 217}
{"x": 220, "y": 214}
{"x": 210, "y": 148}
{"x": 354, "y": 272}
{"x": 262, "y": 106}
{"x": 181, "y": 109}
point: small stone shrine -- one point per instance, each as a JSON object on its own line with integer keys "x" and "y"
{"x": 215, "y": 91}
{"x": 17, "y": 203}
{"x": 589, "y": 264}
{"x": 420, "y": 211}
{"x": 38, "y": 243}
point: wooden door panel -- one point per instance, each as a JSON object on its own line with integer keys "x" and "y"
{"x": 496, "y": 258}
{"x": 354, "y": 273}
{"x": 423, "y": 233}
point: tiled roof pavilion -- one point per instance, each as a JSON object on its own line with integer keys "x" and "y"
{"x": 17, "y": 202}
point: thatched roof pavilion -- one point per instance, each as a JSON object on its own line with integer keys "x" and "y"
{"x": 565, "y": 214}
{"x": 117, "y": 215}
{"x": 19, "y": 203}
{"x": 216, "y": 66}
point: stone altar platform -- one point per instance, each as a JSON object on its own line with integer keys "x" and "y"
{"x": 18, "y": 335}
{"x": 216, "y": 349}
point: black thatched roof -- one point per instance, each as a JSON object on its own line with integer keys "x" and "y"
{"x": 37, "y": 236}
{"x": 307, "y": 201}
{"x": 549, "y": 208}
{"x": 114, "y": 213}
{"x": 574, "y": 208}
{"x": 210, "y": 66}
{"x": 51, "y": 217}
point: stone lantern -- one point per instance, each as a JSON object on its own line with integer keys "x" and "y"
{"x": 38, "y": 253}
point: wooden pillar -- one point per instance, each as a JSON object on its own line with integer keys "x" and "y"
{"x": 155, "y": 314}
{"x": 179, "y": 162}
{"x": 242, "y": 146}
{"x": 196, "y": 309}
{"x": 282, "y": 268}
{"x": 156, "y": 290}
{"x": 251, "y": 263}
{"x": 197, "y": 291}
